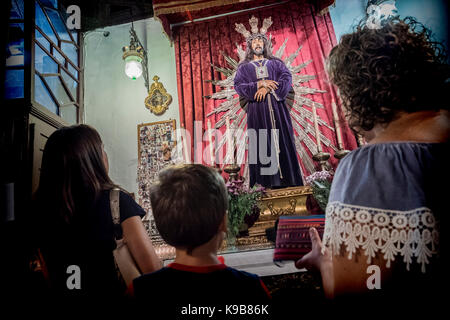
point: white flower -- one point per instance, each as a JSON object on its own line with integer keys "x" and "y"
{"x": 375, "y": 14}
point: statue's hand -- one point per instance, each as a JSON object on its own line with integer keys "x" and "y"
{"x": 260, "y": 95}
{"x": 269, "y": 84}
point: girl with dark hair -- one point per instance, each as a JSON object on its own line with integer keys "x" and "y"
{"x": 74, "y": 225}
{"x": 386, "y": 206}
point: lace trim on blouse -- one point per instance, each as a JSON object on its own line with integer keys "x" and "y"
{"x": 411, "y": 234}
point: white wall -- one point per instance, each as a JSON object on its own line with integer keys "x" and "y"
{"x": 346, "y": 14}
{"x": 114, "y": 104}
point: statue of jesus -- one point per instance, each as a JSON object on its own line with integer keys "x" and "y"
{"x": 265, "y": 81}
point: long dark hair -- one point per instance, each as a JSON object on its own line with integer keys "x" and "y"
{"x": 73, "y": 172}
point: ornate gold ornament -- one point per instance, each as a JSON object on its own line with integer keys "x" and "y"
{"x": 276, "y": 202}
{"x": 158, "y": 99}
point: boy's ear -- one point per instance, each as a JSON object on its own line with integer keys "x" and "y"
{"x": 223, "y": 226}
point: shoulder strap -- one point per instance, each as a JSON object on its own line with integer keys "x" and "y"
{"x": 115, "y": 206}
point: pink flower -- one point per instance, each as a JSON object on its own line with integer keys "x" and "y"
{"x": 318, "y": 175}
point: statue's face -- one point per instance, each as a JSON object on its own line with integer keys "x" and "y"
{"x": 258, "y": 46}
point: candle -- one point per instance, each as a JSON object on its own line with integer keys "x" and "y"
{"x": 234, "y": 151}
{"x": 316, "y": 127}
{"x": 185, "y": 149}
{"x": 337, "y": 125}
{"x": 211, "y": 151}
{"x": 229, "y": 142}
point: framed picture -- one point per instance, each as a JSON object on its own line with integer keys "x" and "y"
{"x": 156, "y": 150}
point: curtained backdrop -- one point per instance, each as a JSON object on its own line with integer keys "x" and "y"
{"x": 174, "y": 11}
{"x": 198, "y": 45}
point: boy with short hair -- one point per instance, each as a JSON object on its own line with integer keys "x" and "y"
{"x": 189, "y": 204}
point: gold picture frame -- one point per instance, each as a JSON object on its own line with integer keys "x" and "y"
{"x": 158, "y": 99}
{"x": 156, "y": 143}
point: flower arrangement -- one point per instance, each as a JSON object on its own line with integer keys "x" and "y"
{"x": 243, "y": 203}
{"x": 320, "y": 181}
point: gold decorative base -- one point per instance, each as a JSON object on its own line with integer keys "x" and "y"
{"x": 286, "y": 201}
{"x": 275, "y": 203}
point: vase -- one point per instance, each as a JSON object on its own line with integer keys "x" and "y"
{"x": 231, "y": 242}
{"x": 249, "y": 221}
{"x": 312, "y": 206}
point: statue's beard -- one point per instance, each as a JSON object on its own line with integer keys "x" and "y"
{"x": 258, "y": 51}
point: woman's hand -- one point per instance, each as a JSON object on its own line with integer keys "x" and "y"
{"x": 316, "y": 260}
{"x": 140, "y": 245}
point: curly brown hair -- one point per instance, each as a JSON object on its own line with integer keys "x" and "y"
{"x": 381, "y": 72}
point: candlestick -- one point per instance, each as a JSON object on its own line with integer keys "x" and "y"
{"x": 316, "y": 127}
{"x": 337, "y": 125}
{"x": 211, "y": 151}
{"x": 229, "y": 142}
{"x": 234, "y": 152}
{"x": 341, "y": 152}
{"x": 185, "y": 149}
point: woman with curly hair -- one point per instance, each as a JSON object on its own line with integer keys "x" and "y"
{"x": 386, "y": 206}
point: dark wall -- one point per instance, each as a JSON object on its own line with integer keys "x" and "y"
{"x": 103, "y": 13}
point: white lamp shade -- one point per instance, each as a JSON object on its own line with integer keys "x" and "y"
{"x": 133, "y": 69}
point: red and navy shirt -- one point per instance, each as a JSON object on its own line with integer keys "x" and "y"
{"x": 178, "y": 286}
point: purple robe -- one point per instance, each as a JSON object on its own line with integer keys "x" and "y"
{"x": 258, "y": 117}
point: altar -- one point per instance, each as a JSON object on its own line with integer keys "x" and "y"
{"x": 255, "y": 261}
{"x": 283, "y": 280}
{"x": 215, "y": 131}
{"x": 254, "y": 252}
{"x": 273, "y": 204}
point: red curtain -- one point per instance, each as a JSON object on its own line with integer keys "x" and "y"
{"x": 198, "y": 45}
{"x": 174, "y": 11}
